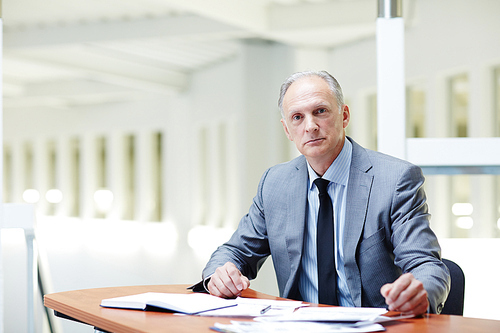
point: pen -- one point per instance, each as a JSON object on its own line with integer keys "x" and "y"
{"x": 264, "y": 310}
{"x": 218, "y": 329}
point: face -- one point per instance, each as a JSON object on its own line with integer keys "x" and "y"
{"x": 312, "y": 120}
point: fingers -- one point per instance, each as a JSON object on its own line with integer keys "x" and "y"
{"x": 227, "y": 281}
{"x": 418, "y": 309}
{"x": 406, "y": 295}
{"x": 245, "y": 282}
{"x": 386, "y": 288}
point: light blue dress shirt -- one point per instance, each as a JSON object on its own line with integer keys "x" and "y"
{"x": 338, "y": 175}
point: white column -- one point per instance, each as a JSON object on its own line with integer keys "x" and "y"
{"x": 214, "y": 176}
{"x": 63, "y": 176}
{"x": 40, "y": 173}
{"x": 18, "y": 180}
{"x": 180, "y": 172}
{"x": 199, "y": 178}
{"x": 88, "y": 176}
{"x": 391, "y": 113}
{"x": 233, "y": 174}
{"x": 1, "y": 177}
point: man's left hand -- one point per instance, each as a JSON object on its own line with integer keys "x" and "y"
{"x": 406, "y": 295}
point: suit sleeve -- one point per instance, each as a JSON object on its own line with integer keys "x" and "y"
{"x": 248, "y": 247}
{"x": 416, "y": 247}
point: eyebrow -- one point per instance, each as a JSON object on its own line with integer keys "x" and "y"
{"x": 315, "y": 107}
{"x": 322, "y": 105}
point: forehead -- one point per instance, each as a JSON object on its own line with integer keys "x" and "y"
{"x": 308, "y": 90}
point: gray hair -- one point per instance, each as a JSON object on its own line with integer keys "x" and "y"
{"x": 329, "y": 79}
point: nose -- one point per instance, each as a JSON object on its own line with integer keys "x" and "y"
{"x": 311, "y": 124}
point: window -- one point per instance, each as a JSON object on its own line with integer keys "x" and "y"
{"x": 372, "y": 122}
{"x": 7, "y": 174}
{"x": 157, "y": 179}
{"x": 496, "y": 101}
{"x": 53, "y": 194}
{"x": 30, "y": 193}
{"x": 496, "y": 207}
{"x": 458, "y": 94}
{"x": 461, "y": 207}
{"x": 129, "y": 178}
{"x": 103, "y": 197}
{"x": 348, "y": 130}
{"x": 74, "y": 177}
{"x": 415, "y": 112}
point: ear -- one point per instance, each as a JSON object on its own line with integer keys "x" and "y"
{"x": 346, "y": 115}
{"x": 285, "y": 128}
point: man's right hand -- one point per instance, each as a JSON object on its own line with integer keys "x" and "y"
{"x": 227, "y": 281}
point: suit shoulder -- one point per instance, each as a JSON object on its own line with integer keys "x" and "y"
{"x": 378, "y": 157}
{"x": 282, "y": 174}
{"x": 286, "y": 167}
{"x": 384, "y": 165}
{"x": 381, "y": 158}
{"x": 392, "y": 168}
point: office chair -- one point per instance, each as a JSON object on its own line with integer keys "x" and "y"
{"x": 454, "y": 305}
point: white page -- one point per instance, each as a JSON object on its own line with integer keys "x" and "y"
{"x": 132, "y": 301}
{"x": 185, "y": 303}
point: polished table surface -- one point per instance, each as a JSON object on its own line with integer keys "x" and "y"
{"x": 84, "y": 306}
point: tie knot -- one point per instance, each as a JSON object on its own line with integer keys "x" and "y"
{"x": 322, "y": 185}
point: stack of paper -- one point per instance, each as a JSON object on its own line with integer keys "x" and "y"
{"x": 293, "y": 327}
{"x": 270, "y": 316}
{"x": 314, "y": 319}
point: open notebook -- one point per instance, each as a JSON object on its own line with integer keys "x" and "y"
{"x": 183, "y": 303}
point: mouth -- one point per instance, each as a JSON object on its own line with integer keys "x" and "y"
{"x": 314, "y": 141}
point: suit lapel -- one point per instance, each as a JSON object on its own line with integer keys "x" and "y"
{"x": 358, "y": 193}
{"x": 296, "y": 216}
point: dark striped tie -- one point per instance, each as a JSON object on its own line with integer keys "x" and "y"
{"x": 327, "y": 274}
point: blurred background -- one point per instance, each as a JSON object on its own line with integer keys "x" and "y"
{"x": 138, "y": 130}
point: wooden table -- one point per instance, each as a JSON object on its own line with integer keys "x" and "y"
{"x": 84, "y": 306}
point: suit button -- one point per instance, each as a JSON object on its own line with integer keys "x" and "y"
{"x": 440, "y": 307}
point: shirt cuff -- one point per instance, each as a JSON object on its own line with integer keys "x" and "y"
{"x": 202, "y": 286}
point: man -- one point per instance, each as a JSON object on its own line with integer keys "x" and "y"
{"x": 384, "y": 252}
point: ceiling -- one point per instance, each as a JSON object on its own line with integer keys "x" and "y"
{"x": 68, "y": 53}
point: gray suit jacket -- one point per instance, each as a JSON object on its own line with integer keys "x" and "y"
{"x": 386, "y": 232}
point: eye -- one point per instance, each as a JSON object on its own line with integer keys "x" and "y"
{"x": 296, "y": 117}
{"x": 321, "y": 111}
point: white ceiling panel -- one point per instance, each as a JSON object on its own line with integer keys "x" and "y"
{"x": 108, "y": 49}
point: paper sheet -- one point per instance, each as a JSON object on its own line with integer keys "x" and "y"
{"x": 294, "y": 327}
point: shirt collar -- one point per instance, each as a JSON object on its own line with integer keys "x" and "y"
{"x": 338, "y": 171}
